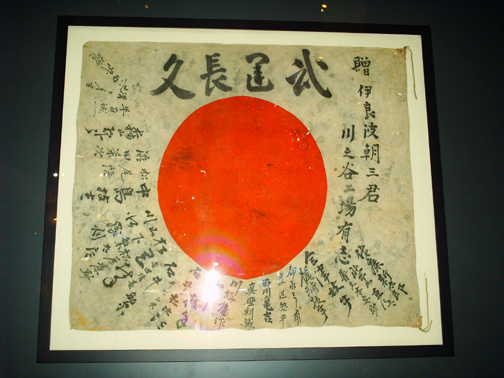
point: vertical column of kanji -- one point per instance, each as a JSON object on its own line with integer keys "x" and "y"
{"x": 369, "y": 157}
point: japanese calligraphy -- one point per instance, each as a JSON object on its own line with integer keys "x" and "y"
{"x": 172, "y": 138}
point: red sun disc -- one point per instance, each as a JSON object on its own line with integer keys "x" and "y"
{"x": 242, "y": 186}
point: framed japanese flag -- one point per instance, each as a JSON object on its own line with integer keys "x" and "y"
{"x": 222, "y": 190}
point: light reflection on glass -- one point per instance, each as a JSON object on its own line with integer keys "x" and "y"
{"x": 210, "y": 291}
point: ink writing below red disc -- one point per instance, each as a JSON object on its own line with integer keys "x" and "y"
{"x": 242, "y": 187}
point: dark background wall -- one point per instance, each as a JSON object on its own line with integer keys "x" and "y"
{"x": 468, "y": 58}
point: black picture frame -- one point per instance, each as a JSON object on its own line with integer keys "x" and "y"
{"x": 46, "y": 354}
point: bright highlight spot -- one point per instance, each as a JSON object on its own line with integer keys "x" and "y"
{"x": 210, "y": 292}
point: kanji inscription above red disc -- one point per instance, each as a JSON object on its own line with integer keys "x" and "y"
{"x": 242, "y": 186}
